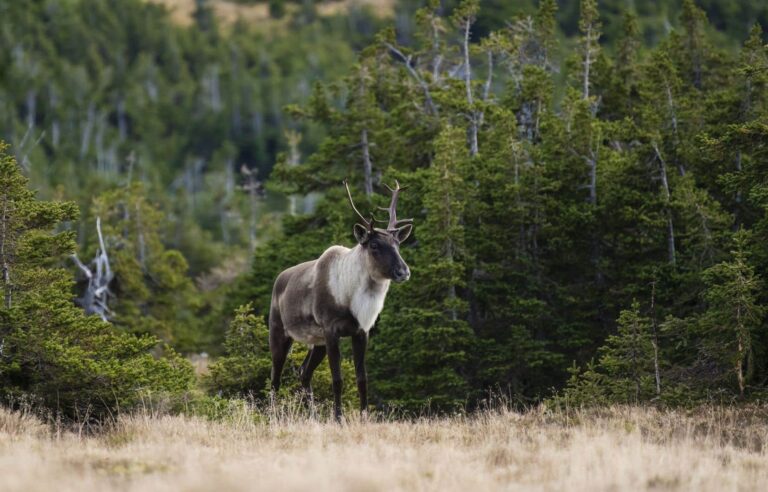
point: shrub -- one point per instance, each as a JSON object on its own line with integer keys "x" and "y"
{"x": 246, "y": 367}
{"x": 77, "y": 366}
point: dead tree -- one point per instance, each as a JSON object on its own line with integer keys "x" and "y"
{"x": 667, "y": 205}
{"x": 96, "y": 297}
{"x": 255, "y": 189}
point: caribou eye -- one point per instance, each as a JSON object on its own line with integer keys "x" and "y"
{"x": 374, "y": 246}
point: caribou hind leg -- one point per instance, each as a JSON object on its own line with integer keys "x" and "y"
{"x": 279, "y": 345}
{"x": 314, "y": 357}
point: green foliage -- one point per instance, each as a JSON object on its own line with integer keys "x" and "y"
{"x": 624, "y": 371}
{"x": 72, "y": 364}
{"x": 733, "y": 319}
{"x": 245, "y": 368}
{"x": 620, "y": 188}
{"x": 153, "y": 294}
{"x": 571, "y": 160}
{"x": 429, "y": 330}
{"x": 102, "y": 93}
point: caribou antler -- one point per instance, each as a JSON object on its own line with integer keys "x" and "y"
{"x": 393, "y": 222}
{"x": 368, "y": 223}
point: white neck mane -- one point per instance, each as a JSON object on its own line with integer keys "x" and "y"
{"x": 352, "y": 285}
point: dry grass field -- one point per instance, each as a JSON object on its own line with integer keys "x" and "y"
{"x": 709, "y": 449}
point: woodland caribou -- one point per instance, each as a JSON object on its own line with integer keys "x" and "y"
{"x": 340, "y": 294}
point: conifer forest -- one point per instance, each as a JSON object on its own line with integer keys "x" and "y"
{"x": 588, "y": 182}
{"x": 586, "y": 304}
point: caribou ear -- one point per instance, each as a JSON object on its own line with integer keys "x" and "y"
{"x": 402, "y": 233}
{"x": 361, "y": 233}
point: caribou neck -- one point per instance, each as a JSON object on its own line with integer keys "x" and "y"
{"x": 352, "y": 284}
{"x": 355, "y": 273}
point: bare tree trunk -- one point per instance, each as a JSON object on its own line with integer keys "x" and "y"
{"x": 140, "y": 237}
{"x": 131, "y": 160}
{"x": 595, "y": 246}
{"x": 294, "y": 158}
{"x": 151, "y": 87}
{"x": 95, "y": 299}
{"x": 31, "y": 107}
{"x": 229, "y": 188}
{"x": 673, "y": 117}
{"x": 100, "y": 155}
{"x": 592, "y": 163}
{"x": 740, "y": 358}
{"x": 4, "y": 247}
{"x": 235, "y": 78}
{"x": 515, "y": 152}
{"x": 367, "y": 167}
{"x": 122, "y": 123}
{"x": 635, "y": 368}
{"x": 253, "y": 187}
{"x": 407, "y": 60}
{"x": 665, "y": 187}
{"x": 473, "y": 114}
{"x": 214, "y": 91}
{"x": 656, "y": 371}
{"x": 487, "y": 85}
{"x": 85, "y": 142}
{"x": 223, "y": 222}
{"x": 467, "y": 66}
{"x": 587, "y": 63}
{"x": 55, "y": 126}
{"x": 449, "y": 246}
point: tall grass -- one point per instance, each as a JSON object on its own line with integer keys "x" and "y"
{"x": 280, "y": 448}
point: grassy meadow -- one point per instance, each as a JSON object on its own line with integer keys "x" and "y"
{"x": 620, "y": 448}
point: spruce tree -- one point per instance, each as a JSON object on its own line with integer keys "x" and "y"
{"x": 419, "y": 358}
{"x": 624, "y": 371}
{"x": 734, "y": 314}
{"x": 52, "y": 353}
{"x": 153, "y": 294}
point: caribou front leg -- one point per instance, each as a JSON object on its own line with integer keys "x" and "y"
{"x": 334, "y": 360}
{"x": 359, "y": 345}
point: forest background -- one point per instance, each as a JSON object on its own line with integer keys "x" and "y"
{"x": 589, "y": 183}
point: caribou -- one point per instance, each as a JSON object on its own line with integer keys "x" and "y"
{"x": 339, "y": 294}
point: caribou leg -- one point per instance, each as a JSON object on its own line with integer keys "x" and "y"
{"x": 359, "y": 345}
{"x": 334, "y": 360}
{"x": 279, "y": 346}
{"x": 314, "y": 357}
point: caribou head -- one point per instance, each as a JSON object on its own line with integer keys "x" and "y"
{"x": 382, "y": 246}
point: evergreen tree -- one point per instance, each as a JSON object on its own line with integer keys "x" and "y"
{"x": 153, "y": 293}
{"x": 420, "y": 356}
{"x": 52, "y": 353}
{"x": 733, "y": 315}
{"x": 624, "y": 371}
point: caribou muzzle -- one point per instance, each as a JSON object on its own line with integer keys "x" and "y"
{"x": 401, "y": 274}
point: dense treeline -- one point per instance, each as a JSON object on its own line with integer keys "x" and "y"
{"x": 156, "y": 129}
{"x": 94, "y": 94}
{"x": 589, "y": 193}
{"x": 51, "y": 354}
{"x": 612, "y": 229}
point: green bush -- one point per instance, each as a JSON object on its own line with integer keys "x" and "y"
{"x": 74, "y": 365}
{"x": 245, "y": 369}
